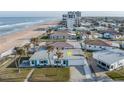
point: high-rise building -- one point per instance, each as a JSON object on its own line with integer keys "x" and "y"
{"x": 72, "y": 19}
{"x": 64, "y": 18}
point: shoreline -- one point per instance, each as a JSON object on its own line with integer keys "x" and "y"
{"x": 19, "y": 38}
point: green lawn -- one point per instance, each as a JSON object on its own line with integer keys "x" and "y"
{"x": 50, "y": 75}
{"x": 88, "y": 54}
{"x": 3, "y": 60}
{"x": 11, "y": 75}
{"x": 116, "y": 75}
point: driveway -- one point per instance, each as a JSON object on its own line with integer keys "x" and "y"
{"x": 88, "y": 71}
{"x": 77, "y": 74}
{"x": 100, "y": 75}
{"x": 76, "y": 62}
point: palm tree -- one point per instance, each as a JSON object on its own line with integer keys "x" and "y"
{"x": 19, "y": 51}
{"x": 35, "y": 42}
{"x": 48, "y": 32}
{"x": 121, "y": 28}
{"x": 78, "y": 36}
{"x": 59, "y": 55}
{"x": 15, "y": 57}
{"x": 49, "y": 50}
{"x": 26, "y": 48}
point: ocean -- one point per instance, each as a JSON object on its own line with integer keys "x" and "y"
{"x": 13, "y": 24}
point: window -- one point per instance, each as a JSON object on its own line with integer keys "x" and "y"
{"x": 33, "y": 61}
{"x": 45, "y": 61}
{"x": 103, "y": 64}
{"x": 99, "y": 62}
{"x": 65, "y": 61}
{"x": 107, "y": 66}
{"x": 112, "y": 66}
{"x": 41, "y": 62}
{"x": 57, "y": 61}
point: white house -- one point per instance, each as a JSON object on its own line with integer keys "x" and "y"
{"x": 96, "y": 45}
{"x": 112, "y": 35}
{"x": 99, "y": 28}
{"x": 71, "y": 57}
{"x": 109, "y": 59}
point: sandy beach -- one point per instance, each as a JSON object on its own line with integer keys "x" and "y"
{"x": 18, "y": 38}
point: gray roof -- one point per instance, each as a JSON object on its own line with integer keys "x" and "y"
{"x": 40, "y": 55}
{"x": 60, "y": 45}
{"x": 109, "y": 56}
{"x": 76, "y": 54}
{"x": 97, "y": 42}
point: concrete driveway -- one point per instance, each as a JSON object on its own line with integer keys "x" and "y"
{"x": 77, "y": 74}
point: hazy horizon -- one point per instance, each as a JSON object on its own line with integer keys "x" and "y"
{"x": 58, "y": 13}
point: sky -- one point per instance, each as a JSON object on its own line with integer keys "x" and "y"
{"x": 57, "y": 13}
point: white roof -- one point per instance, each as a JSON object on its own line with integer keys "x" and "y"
{"x": 82, "y": 28}
{"x": 109, "y": 56}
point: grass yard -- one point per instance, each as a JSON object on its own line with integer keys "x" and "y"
{"x": 4, "y": 59}
{"x": 11, "y": 75}
{"x": 88, "y": 54}
{"x": 50, "y": 75}
{"x": 116, "y": 74}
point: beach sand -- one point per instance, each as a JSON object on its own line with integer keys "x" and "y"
{"x": 18, "y": 38}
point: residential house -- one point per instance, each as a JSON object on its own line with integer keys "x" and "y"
{"x": 96, "y": 45}
{"x": 109, "y": 59}
{"x": 62, "y": 35}
{"x": 112, "y": 35}
{"x": 71, "y": 57}
{"x": 60, "y": 45}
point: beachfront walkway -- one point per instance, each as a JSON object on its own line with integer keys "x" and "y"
{"x": 29, "y": 75}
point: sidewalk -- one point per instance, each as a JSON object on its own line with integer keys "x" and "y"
{"x": 87, "y": 71}
{"x": 29, "y": 75}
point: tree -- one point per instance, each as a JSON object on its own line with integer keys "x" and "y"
{"x": 78, "y": 35}
{"x": 15, "y": 57}
{"x": 49, "y": 50}
{"x": 49, "y": 31}
{"x": 121, "y": 28}
{"x": 109, "y": 26}
{"x": 19, "y": 51}
{"x": 26, "y": 48}
{"x": 59, "y": 55}
{"x": 35, "y": 42}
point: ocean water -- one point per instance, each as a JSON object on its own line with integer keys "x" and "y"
{"x": 13, "y": 24}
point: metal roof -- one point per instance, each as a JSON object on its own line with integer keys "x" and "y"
{"x": 109, "y": 56}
